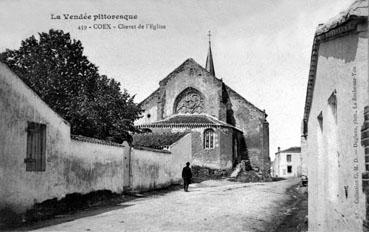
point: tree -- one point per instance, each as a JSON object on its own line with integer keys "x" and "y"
{"x": 56, "y": 69}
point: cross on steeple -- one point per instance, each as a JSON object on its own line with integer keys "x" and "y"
{"x": 209, "y": 35}
{"x": 209, "y": 59}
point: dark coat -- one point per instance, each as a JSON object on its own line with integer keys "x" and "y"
{"x": 186, "y": 173}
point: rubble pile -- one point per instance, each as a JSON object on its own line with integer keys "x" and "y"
{"x": 201, "y": 173}
{"x": 244, "y": 173}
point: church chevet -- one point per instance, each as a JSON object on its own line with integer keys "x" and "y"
{"x": 225, "y": 128}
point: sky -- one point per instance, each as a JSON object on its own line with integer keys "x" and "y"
{"x": 261, "y": 48}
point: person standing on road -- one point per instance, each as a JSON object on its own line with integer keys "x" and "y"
{"x": 187, "y": 176}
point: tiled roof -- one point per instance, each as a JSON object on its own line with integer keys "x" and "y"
{"x": 189, "y": 120}
{"x": 93, "y": 140}
{"x": 156, "y": 140}
{"x": 357, "y": 9}
{"x": 292, "y": 150}
{"x": 151, "y": 149}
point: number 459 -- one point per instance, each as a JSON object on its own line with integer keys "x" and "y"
{"x": 82, "y": 27}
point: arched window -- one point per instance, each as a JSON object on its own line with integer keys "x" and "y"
{"x": 209, "y": 139}
{"x": 189, "y": 101}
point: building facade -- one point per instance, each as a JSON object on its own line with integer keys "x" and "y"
{"x": 337, "y": 93}
{"x": 287, "y": 163}
{"x": 41, "y": 161}
{"x": 225, "y": 127}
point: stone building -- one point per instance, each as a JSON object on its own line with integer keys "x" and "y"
{"x": 225, "y": 127}
{"x": 287, "y": 163}
{"x": 337, "y": 93}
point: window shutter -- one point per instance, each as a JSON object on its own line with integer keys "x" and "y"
{"x": 29, "y": 157}
{"x": 36, "y": 144}
{"x": 43, "y": 148}
{"x": 37, "y": 147}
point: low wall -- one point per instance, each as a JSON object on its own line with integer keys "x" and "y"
{"x": 153, "y": 169}
{"x": 85, "y": 167}
{"x": 150, "y": 169}
{"x": 93, "y": 166}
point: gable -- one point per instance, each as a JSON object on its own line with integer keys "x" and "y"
{"x": 192, "y": 66}
{"x": 189, "y": 66}
{"x": 13, "y": 89}
{"x": 190, "y": 75}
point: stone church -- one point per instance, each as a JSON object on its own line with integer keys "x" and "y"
{"x": 225, "y": 127}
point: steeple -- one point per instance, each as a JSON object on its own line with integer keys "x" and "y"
{"x": 209, "y": 59}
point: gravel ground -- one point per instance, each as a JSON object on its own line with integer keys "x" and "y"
{"x": 215, "y": 205}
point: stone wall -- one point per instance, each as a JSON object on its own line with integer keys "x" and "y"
{"x": 226, "y": 138}
{"x": 150, "y": 169}
{"x": 150, "y": 108}
{"x": 252, "y": 122}
{"x": 92, "y": 166}
{"x": 70, "y": 166}
{"x": 265, "y": 148}
{"x": 205, "y": 157}
{"x": 188, "y": 75}
{"x": 153, "y": 169}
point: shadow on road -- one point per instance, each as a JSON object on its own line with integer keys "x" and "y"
{"x": 118, "y": 202}
{"x": 58, "y": 219}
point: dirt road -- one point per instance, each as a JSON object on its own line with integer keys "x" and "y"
{"x": 209, "y": 206}
{"x": 297, "y": 211}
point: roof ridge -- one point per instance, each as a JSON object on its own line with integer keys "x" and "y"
{"x": 211, "y": 121}
{"x": 291, "y": 149}
{"x": 243, "y": 98}
{"x": 94, "y": 140}
{"x": 180, "y": 67}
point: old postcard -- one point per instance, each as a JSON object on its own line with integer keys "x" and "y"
{"x": 211, "y": 115}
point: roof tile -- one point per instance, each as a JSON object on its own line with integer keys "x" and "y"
{"x": 156, "y": 140}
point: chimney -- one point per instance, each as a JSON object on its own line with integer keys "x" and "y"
{"x": 279, "y": 149}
